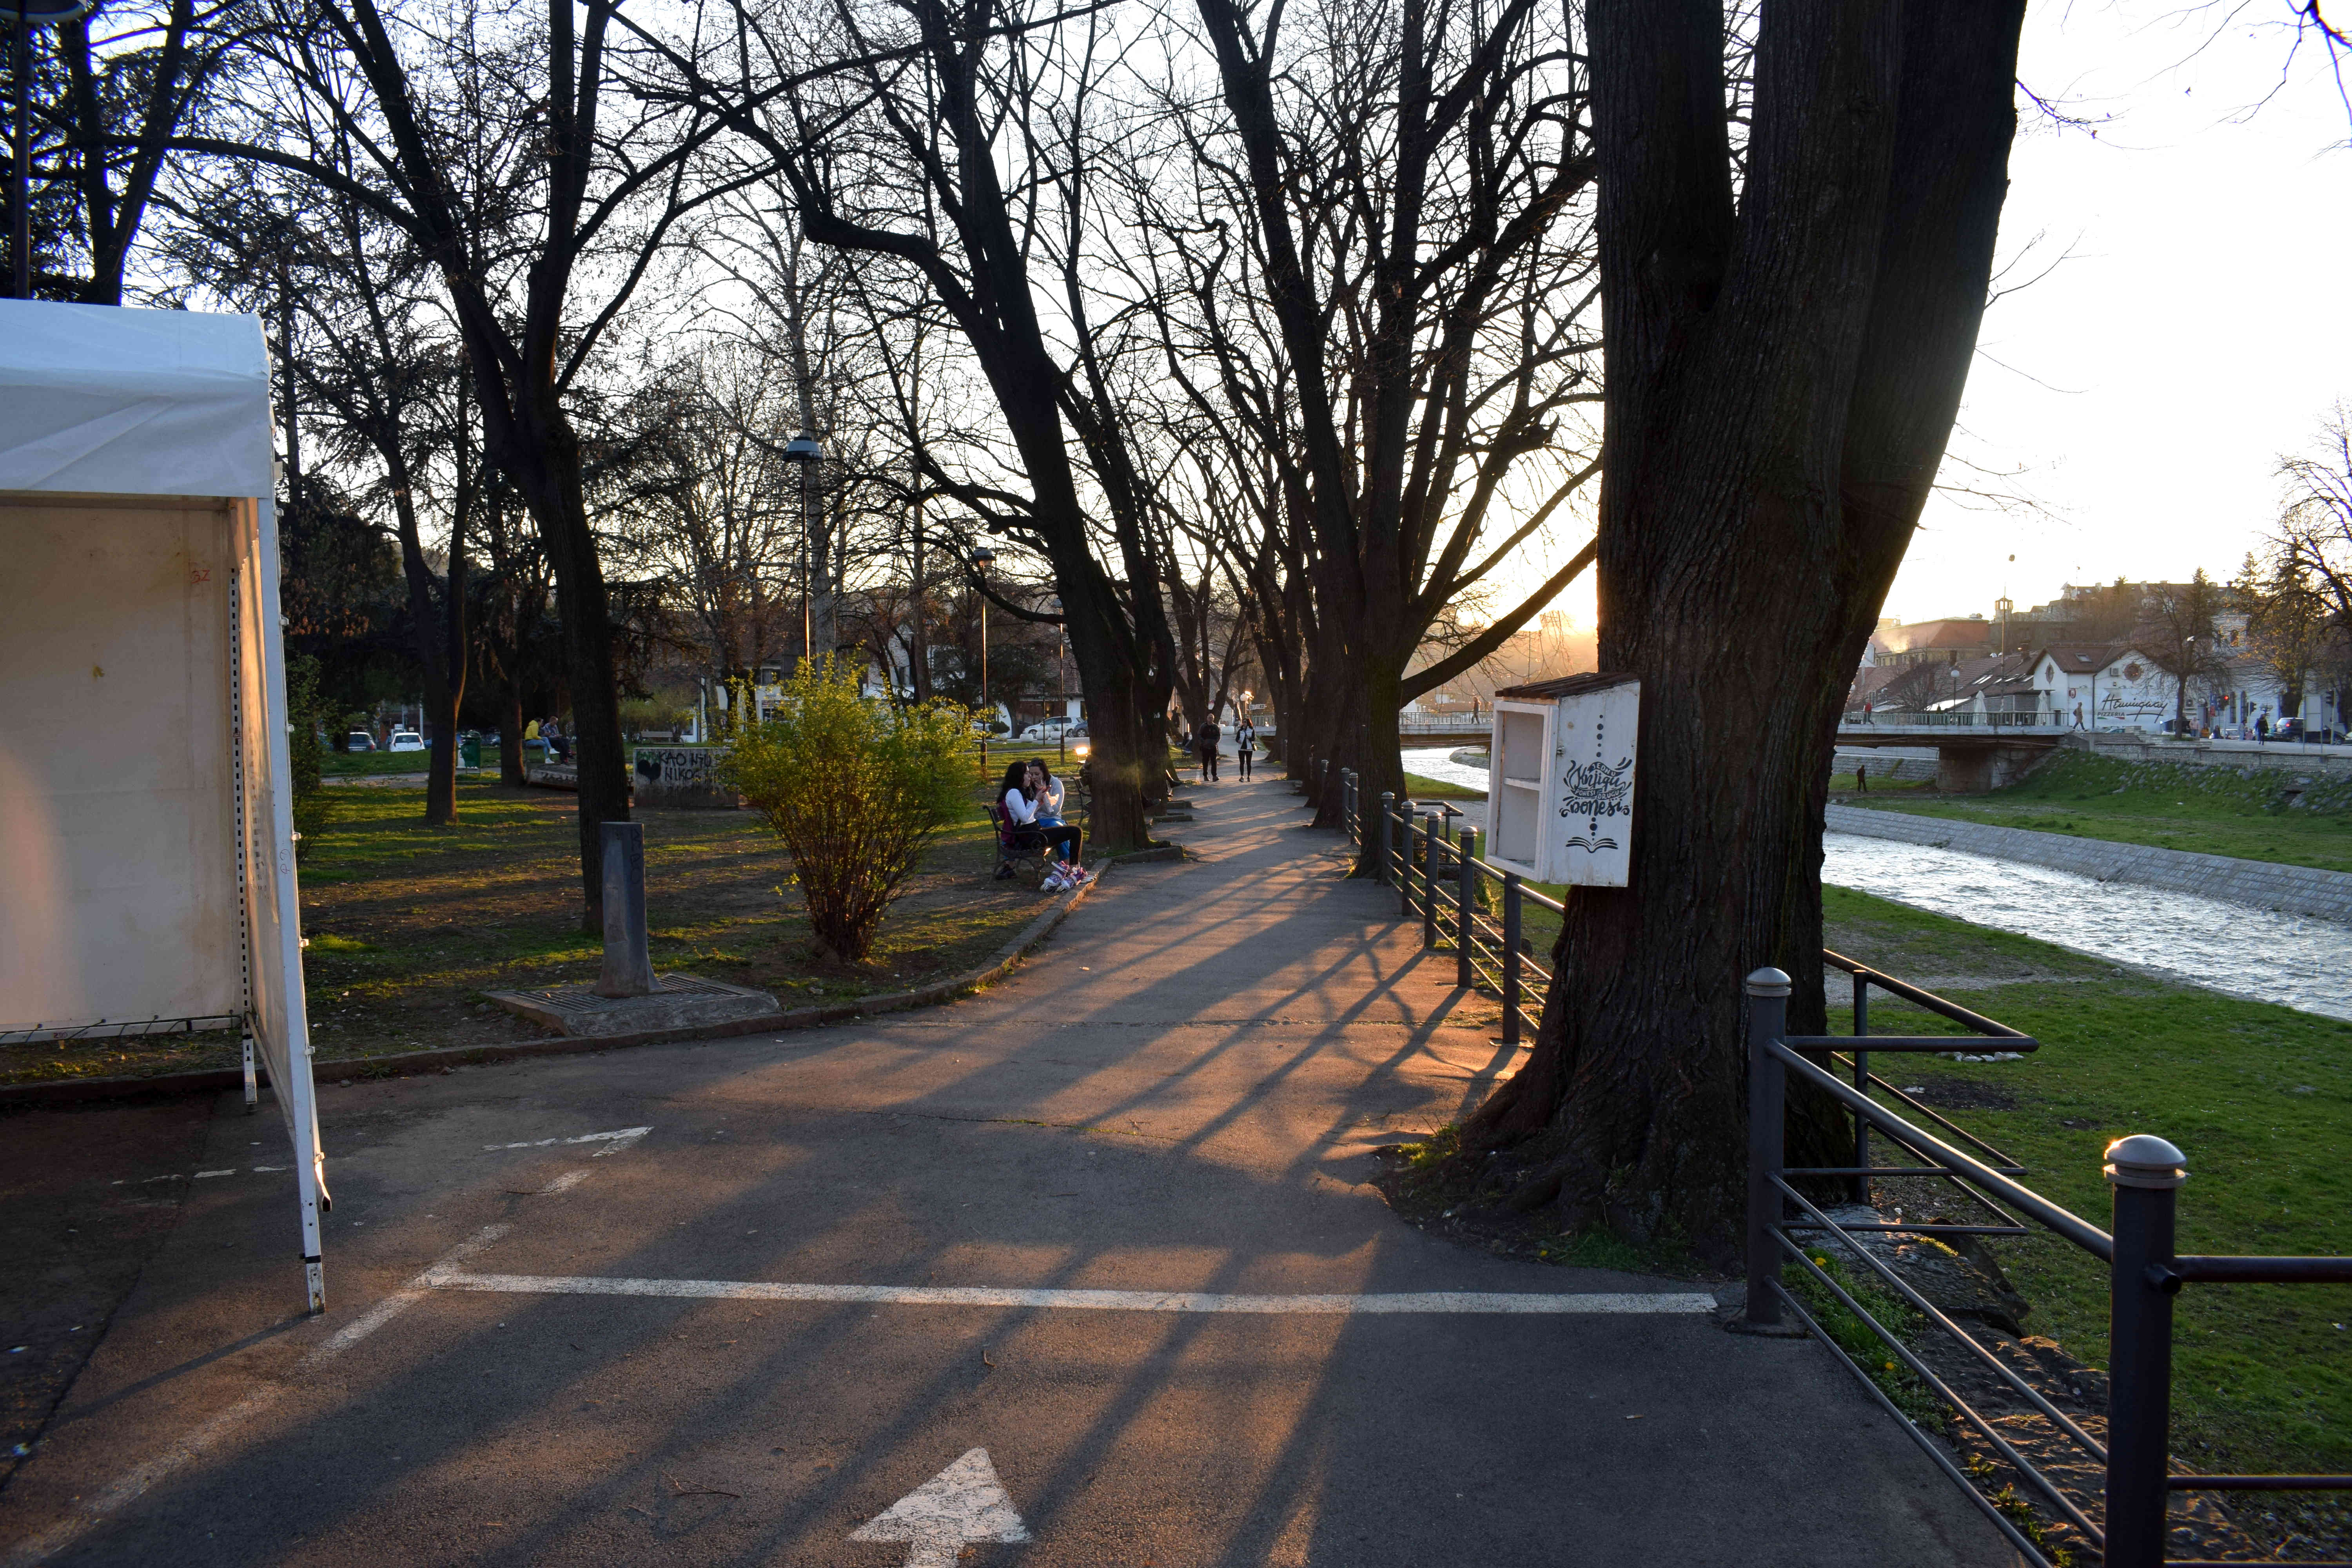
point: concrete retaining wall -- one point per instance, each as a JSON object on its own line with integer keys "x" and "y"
{"x": 2330, "y": 762}
{"x": 2265, "y": 885}
{"x": 1900, "y": 762}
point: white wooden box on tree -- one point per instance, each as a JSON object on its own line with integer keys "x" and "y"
{"x": 1560, "y": 789}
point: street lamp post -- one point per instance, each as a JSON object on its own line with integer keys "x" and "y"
{"x": 22, "y": 16}
{"x": 983, "y": 559}
{"x": 803, "y": 450}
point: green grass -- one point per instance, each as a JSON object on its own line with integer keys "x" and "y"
{"x": 376, "y": 764}
{"x": 1843, "y": 784}
{"x": 2259, "y": 1097}
{"x": 1440, "y": 789}
{"x": 408, "y": 925}
{"x": 2240, "y": 812}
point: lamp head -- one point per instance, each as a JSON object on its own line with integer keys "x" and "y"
{"x": 984, "y": 557}
{"x": 800, "y": 448}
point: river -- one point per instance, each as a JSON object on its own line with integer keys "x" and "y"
{"x": 2292, "y": 959}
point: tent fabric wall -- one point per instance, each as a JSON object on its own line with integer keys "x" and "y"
{"x": 117, "y": 806}
{"x": 148, "y": 844}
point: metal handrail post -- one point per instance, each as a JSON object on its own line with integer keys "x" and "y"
{"x": 2146, "y": 1173}
{"x": 1861, "y": 1082}
{"x": 1388, "y": 809}
{"x": 1432, "y": 851}
{"x": 1768, "y": 1016}
{"x": 1465, "y": 933}
{"x": 1408, "y": 847}
{"x": 1510, "y": 958}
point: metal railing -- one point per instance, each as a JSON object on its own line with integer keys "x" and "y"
{"x": 2144, "y": 1272}
{"x": 2051, "y": 723}
{"x": 1463, "y": 902}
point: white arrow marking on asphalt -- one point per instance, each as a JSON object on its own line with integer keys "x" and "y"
{"x": 620, "y": 1139}
{"x": 962, "y": 1504}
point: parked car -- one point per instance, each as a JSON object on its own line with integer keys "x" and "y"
{"x": 359, "y": 740}
{"x": 405, "y": 740}
{"x": 1050, "y": 730}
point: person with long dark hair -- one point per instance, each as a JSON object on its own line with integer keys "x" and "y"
{"x": 1024, "y": 783}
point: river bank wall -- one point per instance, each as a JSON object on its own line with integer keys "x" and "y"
{"x": 2262, "y": 884}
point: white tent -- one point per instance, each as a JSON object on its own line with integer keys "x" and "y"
{"x": 146, "y": 821}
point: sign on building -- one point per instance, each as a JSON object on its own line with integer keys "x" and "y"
{"x": 1560, "y": 795}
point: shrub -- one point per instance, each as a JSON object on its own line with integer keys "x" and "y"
{"x": 857, "y": 790}
{"x": 306, "y": 715}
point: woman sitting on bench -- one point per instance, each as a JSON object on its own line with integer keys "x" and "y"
{"x": 1023, "y": 782}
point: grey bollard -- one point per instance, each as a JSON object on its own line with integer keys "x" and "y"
{"x": 628, "y": 966}
{"x": 1768, "y": 1012}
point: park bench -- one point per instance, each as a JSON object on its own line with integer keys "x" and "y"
{"x": 1018, "y": 848}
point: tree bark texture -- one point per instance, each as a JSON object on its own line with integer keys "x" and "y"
{"x": 1783, "y": 370}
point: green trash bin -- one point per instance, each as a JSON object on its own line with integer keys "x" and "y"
{"x": 469, "y": 750}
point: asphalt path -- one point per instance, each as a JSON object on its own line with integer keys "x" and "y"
{"x": 1085, "y": 1270}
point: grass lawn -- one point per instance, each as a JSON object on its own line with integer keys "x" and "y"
{"x": 408, "y": 925}
{"x": 2258, "y": 1096}
{"x": 375, "y": 764}
{"x": 1439, "y": 789}
{"x": 2214, "y": 811}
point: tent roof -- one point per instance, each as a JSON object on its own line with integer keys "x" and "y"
{"x": 97, "y": 400}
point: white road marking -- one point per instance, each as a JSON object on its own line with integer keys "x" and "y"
{"x": 41, "y": 1547}
{"x": 400, "y": 1300}
{"x": 1465, "y": 1301}
{"x": 620, "y": 1139}
{"x": 962, "y": 1504}
{"x": 563, "y": 1184}
{"x": 230, "y": 1172}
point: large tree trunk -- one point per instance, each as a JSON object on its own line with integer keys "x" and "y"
{"x": 1782, "y": 377}
{"x": 432, "y": 645}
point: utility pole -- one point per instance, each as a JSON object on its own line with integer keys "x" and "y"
{"x": 984, "y": 558}
{"x": 803, "y": 450}
{"x": 22, "y": 16}
{"x": 919, "y": 674}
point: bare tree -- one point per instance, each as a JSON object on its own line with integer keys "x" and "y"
{"x": 1408, "y": 193}
{"x": 958, "y": 143}
{"x": 1789, "y": 332}
{"x": 2177, "y": 628}
{"x": 595, "y": 166}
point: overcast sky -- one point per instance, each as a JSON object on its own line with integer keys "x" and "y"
{"x": 2141, "y": 392}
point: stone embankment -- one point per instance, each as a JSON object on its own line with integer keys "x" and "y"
{"x": 2265, "y": 885}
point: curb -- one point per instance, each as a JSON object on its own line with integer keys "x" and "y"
{"x": 403, "y": 1063}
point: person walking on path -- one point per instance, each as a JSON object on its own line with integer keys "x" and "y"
{"x": 1244, "y": 743}
{"x": 1204, "y": 746}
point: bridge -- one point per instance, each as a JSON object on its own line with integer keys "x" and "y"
{"x": 1974, "y": 752}
{"x": 1444, "y": 732}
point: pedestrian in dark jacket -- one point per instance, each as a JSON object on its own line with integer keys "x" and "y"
{"x": 1204, "y": 746}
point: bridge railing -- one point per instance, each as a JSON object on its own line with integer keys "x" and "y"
{"x": 1955, "y": 721}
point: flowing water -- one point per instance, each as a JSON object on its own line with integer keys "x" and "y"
{"x": 2292, "y": 959}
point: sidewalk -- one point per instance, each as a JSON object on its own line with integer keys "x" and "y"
{"x": 1110, "y": 1222}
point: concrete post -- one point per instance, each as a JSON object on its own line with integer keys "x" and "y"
{"x": 628, "y": 966}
